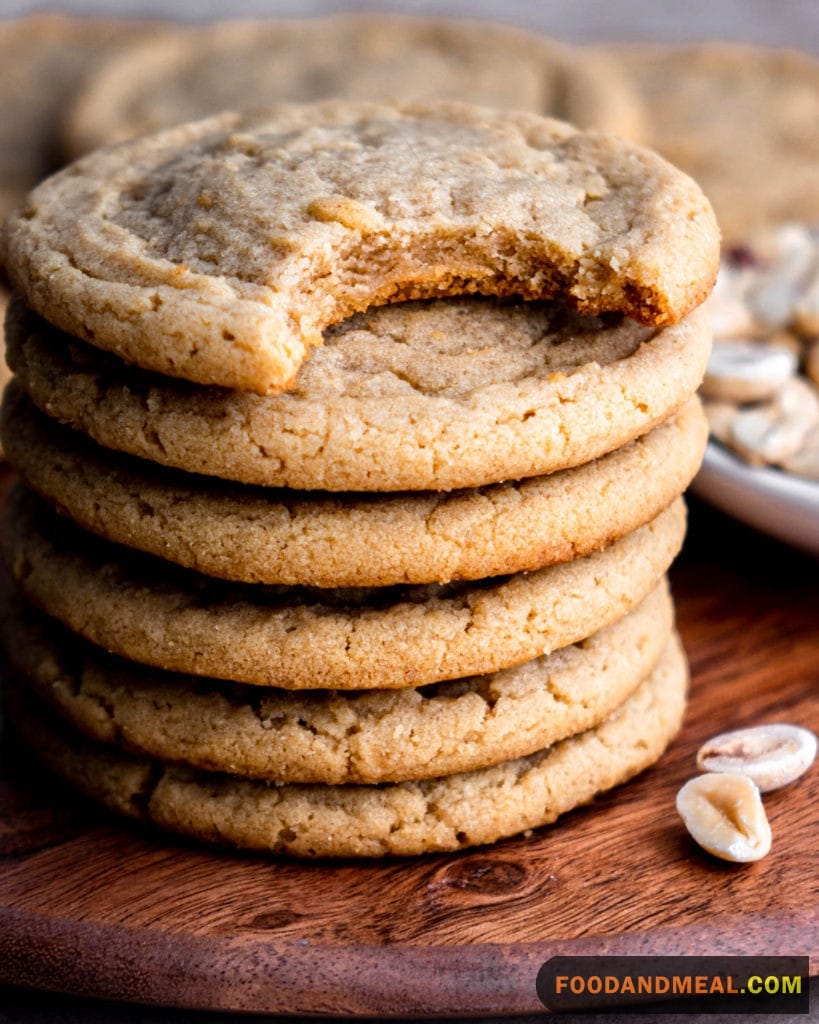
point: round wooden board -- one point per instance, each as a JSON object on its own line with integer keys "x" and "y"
{"x": 92, "y": 906}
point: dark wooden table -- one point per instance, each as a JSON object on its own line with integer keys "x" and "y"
{"x": 93, "y": 906}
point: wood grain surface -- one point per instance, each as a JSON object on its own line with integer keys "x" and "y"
{"x": 93, "y": 906}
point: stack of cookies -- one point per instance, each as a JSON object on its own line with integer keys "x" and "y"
{"x": 352, "y": 438}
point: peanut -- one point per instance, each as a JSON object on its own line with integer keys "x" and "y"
{"x": 724, "y": 814}
{"x": 770, "y": 755}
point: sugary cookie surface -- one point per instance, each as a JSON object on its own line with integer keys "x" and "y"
{"x": 220, "y": 251}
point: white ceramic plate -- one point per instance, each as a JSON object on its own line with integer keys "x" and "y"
{"x": 780, "y": 504}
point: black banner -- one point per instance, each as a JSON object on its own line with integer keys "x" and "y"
{"x": 676, "y": 984}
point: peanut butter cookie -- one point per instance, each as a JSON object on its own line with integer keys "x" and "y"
{"x": 300, "y": 638}
{"x": 255, "y": 535}
{"x": 220, "y": 251}
{"x": 420, "y": 396}
{"x": 372, "y": 736}
{"x": 434, "y": 815}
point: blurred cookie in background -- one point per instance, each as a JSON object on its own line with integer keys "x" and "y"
{"x": 44, "y": 58}
{"x": 740, "y": 119}
{"x": 193, "y": 72}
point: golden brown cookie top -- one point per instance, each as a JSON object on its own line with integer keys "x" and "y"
{"x": 220, "y": 251}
